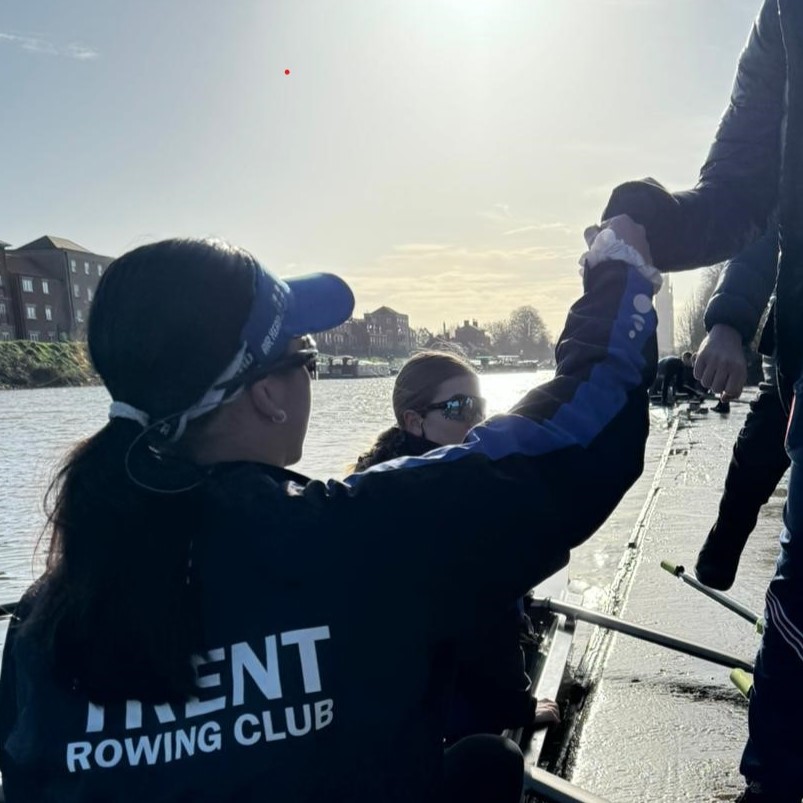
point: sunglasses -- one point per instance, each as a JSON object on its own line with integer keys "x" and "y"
{"x": 460, "y": 407}
{"x": 307, "y": 357}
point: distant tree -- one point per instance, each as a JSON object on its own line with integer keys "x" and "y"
{"x": 691, "y": 325}
{"x": 523, "y": 332}
{"x": 528, "y": 333}
{"x": 499, "y": 332}
{"x": 421, "y": 337}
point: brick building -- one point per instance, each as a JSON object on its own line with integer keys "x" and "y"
{"x": 46, "y": 289}
{"x": 389, "y": 333}
{"x": 7, "y": 329}
{"x": 382, "y": 333}
{"x": 472, "y": 338}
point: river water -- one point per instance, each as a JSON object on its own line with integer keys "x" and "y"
{"x": 38, "y": 426}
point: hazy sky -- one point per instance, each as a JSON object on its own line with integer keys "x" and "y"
{"x": 442, "y": 155}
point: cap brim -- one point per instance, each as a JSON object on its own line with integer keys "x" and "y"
{"x": 318, "y": 301}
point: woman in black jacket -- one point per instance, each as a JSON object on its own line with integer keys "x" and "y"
{"x": 212, "y": 626}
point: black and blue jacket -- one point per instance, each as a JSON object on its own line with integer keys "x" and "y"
{"x": 326, "y": 605}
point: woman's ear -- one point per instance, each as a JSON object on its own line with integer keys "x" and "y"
{"x": 268, "y": 400}
{"x": 413, "y": 422}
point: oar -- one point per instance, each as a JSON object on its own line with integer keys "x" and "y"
{"x": 555, "y": 790}
{"x": 644, "y": 633}
{"x": 7, "y": 608}
{"x": 723, "y": 599}
{"x": 743, "y": 681}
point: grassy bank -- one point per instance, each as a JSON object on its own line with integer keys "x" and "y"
{"x": 24, "y": 364}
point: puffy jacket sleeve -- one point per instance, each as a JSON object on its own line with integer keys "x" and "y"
{"x": 744, "y": 288}
{"x": 739, "y": 182}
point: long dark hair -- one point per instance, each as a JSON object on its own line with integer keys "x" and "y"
{"x": 115, "y": 610}
{"x": 415, "y": 388}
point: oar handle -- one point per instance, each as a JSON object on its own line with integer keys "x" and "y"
{"x": 742, "y": 680}
{"x": 723, "y": 599}
{"x": 672, "y": 568}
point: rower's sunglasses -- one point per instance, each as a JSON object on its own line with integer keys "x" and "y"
{"x": 461, "y": 407}
{"x": 307, "y": 357}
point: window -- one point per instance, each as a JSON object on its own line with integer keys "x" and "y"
{"x": 72, "y": 265}
{"x": 51, "y": 336}
{"x": 2, "y": 309}
{"x": 5, "y": 335}
{"x": 76, "y": 291}
{"x": 79, "y": 316}
{"x": 30, "y": 312}
{"x": 48, "y": 313}
{"x": 27, "y": 285}
{"x": 100, "y": 269}
{"x": 33, "y": 336}
{"x": 86, "y": 268}
{"x": 89, "y": 293}
{"x": 45, "y": 287}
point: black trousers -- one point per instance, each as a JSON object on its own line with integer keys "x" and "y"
{"x": 759, "y": 461}
{"x": 483, "y": 769}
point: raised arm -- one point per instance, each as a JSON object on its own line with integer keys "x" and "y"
{"x": 738, "y": 185}
{"x": 501, "y": 511}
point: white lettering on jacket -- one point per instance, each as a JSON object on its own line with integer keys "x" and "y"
{"x": 237, "y": 672}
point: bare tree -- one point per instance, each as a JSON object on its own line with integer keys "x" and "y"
{"x": 523, "y": 332}
{"x": 691, "y": 325}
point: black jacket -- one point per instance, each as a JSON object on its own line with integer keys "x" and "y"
{"x": 741, "y": 182}
{"x": 744, "y": 288}
{"x": 491, "y": 690}
{"x": 326, "y": 605}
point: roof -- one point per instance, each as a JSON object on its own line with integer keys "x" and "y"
{"x": 22, "y": 266}
{"x": 386, "y": 311}
{"x": 48, "y": 243}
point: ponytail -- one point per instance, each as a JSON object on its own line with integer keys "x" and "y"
{"x": 115, "y": 609}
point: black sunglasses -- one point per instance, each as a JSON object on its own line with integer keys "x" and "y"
{"x": 460, "y": 407}
{"x": 307, "y": 357}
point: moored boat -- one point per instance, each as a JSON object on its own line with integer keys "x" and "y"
{"x": 348, "y": 367}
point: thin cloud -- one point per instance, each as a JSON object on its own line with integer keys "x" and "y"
{"x": 419, "y": 248}
{"x": 561, "y": 227}
{"x": 36, "y": 44}
{"x": 497, "y": 212}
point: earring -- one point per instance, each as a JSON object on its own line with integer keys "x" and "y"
{"x": 279, "y": 418}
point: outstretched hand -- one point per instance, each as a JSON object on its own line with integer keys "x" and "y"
{"x": 721, "y": 365}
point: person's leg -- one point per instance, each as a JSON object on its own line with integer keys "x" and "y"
{"x": 772, "y": 756}
{"x": 665, "y": 384}
{"x": 774, "y": 749}
{"x": 483, "y": 769}
{"x": 759, "y": 461}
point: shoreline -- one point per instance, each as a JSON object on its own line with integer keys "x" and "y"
{"x": 29, "y": 365}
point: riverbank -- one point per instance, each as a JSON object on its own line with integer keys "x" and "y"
{"x": 659, "y": 725}
{"x": 25, "y": 364}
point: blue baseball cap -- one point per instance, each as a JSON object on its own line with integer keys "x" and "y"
{"x": 283, "y": 309}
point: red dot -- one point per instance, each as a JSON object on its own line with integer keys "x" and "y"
{"x": 287, "y": 72}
